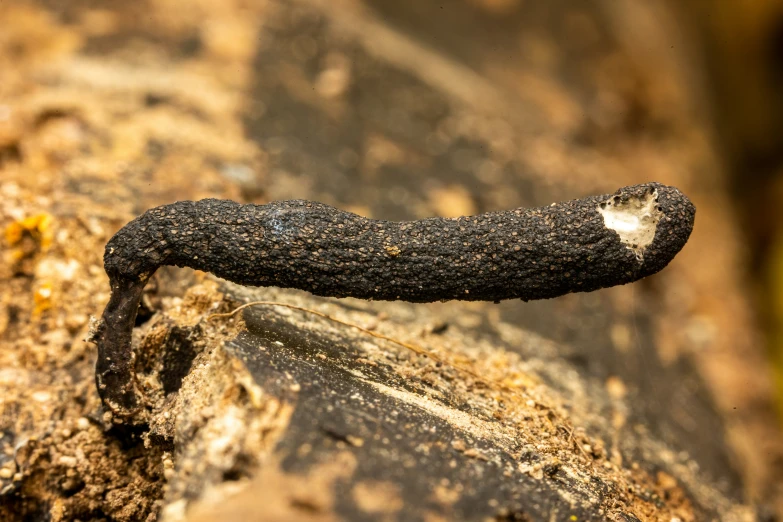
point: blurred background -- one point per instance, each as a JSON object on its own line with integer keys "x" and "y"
{"x": 411, "y": 108}
{"x": 741, "y": 49}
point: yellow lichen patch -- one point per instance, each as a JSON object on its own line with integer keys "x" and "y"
{"x": 42, "y": 298}
{"x": 38, "y": 226}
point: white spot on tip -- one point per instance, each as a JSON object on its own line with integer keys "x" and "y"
{"x": 634, "y": 219}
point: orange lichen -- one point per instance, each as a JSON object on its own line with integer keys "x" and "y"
{"x": 43, "y": 298}
{"x": 38, "y": 226}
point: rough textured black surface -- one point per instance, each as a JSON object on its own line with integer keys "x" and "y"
{"x": 523, "y": 253}
{"x": 334, "y": 405}
{"x": 341, "y": 403}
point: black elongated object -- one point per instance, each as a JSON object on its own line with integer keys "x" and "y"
{"x": 575, "y": 246}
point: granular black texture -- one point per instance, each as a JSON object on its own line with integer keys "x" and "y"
{"x": 517, "y": 254}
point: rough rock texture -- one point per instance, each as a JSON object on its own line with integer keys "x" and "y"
{"x": 648, "y": 401}
{"x": 468, "y": 432}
